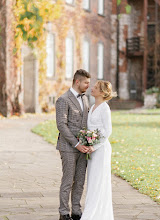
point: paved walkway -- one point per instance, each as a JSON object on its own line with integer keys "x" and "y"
{"x": 30, "y": 173}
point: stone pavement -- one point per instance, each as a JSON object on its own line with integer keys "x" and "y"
{"x": 30, "y": 174}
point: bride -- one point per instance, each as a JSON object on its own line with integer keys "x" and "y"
{"x": 98, "y": 205}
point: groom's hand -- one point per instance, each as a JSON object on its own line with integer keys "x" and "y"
{"x": 82, "y": 148}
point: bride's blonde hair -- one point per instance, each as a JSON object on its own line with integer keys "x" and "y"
{"x": 106, "y": 89}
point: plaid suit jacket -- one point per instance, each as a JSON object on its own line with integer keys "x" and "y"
{"x": 70, "y": 120}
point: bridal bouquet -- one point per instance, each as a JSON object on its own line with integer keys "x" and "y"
{"x": 89, "y": 138}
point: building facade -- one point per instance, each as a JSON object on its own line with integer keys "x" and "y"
{"x": 95, "y": 35}
{"x": 135, "y": 42}
{"x": 80, "y": 39}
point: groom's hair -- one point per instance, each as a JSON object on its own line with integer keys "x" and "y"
{"x": 79, "y": 74}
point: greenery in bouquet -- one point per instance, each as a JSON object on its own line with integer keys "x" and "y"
{"x": 89, "y": 138}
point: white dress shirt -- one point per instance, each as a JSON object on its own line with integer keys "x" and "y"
{"x": 75, "y": 93}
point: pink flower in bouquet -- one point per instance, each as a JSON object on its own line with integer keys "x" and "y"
{"x": 89, "y": 139}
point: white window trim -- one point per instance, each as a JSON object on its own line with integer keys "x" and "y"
{"x": 52, "y": 73}
{"x": 84, "y": 53}
{"x": 84, "y": 5}
{"x": 69, "y": 73}
{"x": 102, "y": 8}
{"x": 70, "y": 2}
{"x": 100, "y": 61}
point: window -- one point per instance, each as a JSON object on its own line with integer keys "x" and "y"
{"x": 86, "y": 4}
{"x": 50, "y": 60}
{"x": 86, "y": 55}
{"x": 101, "y": 7}
{"x": 69, "y": 57}
{"x": 70, "y": 1}
{"x": 100, "y": 60}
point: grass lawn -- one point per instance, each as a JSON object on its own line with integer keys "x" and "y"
{"x": 48, "y": 130}
{"x": 135, "y": 144}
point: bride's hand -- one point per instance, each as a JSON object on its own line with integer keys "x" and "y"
{"x": 91, "y": 150}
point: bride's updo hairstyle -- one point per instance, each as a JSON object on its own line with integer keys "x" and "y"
{"x": 106, "y": 90}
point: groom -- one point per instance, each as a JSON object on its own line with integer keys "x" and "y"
{"x": 71, "y": 116}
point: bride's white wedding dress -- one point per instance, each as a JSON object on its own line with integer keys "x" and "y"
{"x": 98, "y": 205}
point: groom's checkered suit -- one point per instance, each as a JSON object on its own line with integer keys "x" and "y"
{"x": 70, "y": 120}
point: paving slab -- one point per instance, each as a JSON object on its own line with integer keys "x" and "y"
{"x": 30, "y": 176}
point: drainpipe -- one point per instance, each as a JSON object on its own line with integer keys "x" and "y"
{"x": 156, "y": 44}
{"x": 145, "y": 46}
{"x": 118, "y": 31}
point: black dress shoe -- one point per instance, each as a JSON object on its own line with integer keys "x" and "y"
{"x": 65, "y": 217}
{"x": 76, "y": 217}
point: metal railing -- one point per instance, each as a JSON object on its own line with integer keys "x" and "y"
{"x": 135, "y": 46}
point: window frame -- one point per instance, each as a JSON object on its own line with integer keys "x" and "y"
{"x": 71, "y": 4}
{"x": 101, "y": 14}
{"x": 100, "y": 43}
{"x": 87, "y": 9}
{"x": 54, "y": 56}
{"x": 69, "y": 78}
{"x": 89, "y": 58}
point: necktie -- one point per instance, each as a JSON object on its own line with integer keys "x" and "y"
{"x": 80, "y": 95}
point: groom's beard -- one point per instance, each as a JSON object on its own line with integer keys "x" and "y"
{"x": 83, "y": 90}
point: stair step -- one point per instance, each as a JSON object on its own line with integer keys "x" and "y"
{"x": 124, "y": 104}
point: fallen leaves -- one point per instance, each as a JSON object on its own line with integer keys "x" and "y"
{"x": 136, "y": 151}
{"x": 135, "y": 146}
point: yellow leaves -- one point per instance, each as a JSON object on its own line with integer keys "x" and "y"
{"x": 49, "y": 10}
{"x": 114, "y": 141}
{"x": 31, "y": 17}
{"x": 1, "y": 116}
{"x": 139, "y": 168}
{"x": 57, "y": 10}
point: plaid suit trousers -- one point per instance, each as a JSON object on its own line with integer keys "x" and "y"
{"x": 74, "y": 169}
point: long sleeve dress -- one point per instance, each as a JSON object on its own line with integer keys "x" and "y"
{"x": 98, "y": 205}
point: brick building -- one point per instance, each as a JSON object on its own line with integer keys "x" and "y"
{"x": 85, "y": 44}
{"x": 96, "y": 35}
{"x": 79, "y": 39}
{"x": 135, "y": 43}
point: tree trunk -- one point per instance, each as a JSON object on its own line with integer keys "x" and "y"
{"x": 10, "y": 83}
